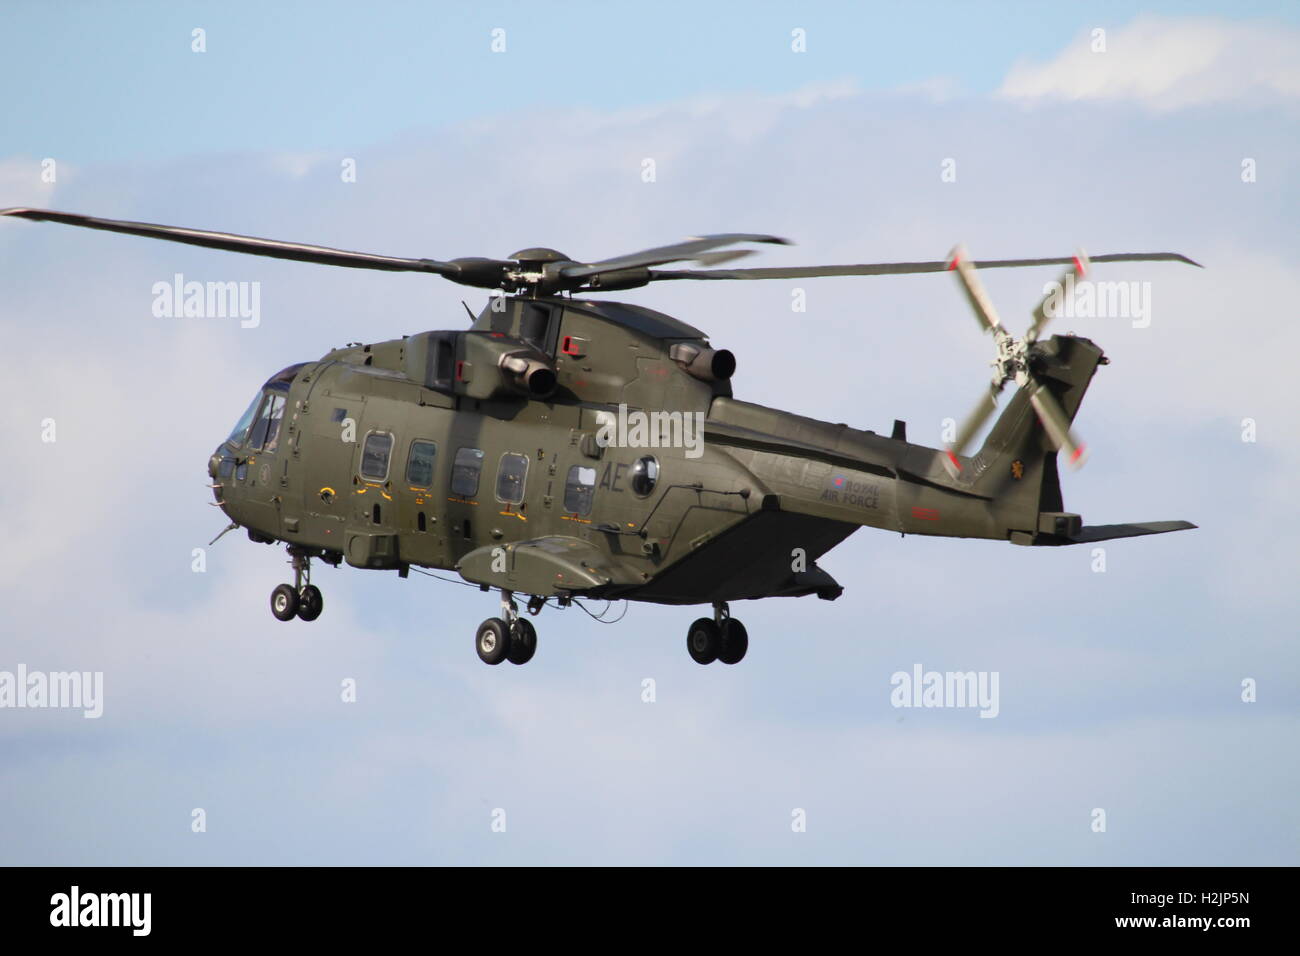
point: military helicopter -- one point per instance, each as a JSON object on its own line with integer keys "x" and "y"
{"x": 375, "y": 454}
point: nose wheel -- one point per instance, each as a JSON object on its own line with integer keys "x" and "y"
{"x": 507, "y": 638}
{"x": 302, "y": 599}
{"x": 720, "y": 638}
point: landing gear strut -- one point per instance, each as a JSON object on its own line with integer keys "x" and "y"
{"x": 508, "y": 637}
{"x": 720, "y": 638}
{"x": 302, "y": 599}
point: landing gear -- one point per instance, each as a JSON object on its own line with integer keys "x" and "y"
{"x": 284, "y": 602}
{"x": 703, "y": 641}
{"x": 310, "y": 603}
{"x": 302, "y": 599}
{"x": 492, "y": 641}
{"x": 508, "y": 637}
{"x": 735, "y": 641}
{"x": 720, "y": 638}
{"x": 523, "y": 642}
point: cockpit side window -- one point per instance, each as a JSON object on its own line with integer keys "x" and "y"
{"x": 273, "y": 426}
{"x": 258, "y": 433}
{"x": 240, "y": 431}
{"x": 268, "y": 422}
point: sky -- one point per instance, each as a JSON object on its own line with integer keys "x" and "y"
{"x": 1121, "y": 689}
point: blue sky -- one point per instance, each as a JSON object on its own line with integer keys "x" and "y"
{"x": 303, "y": 76}
{"x": 1119, "y": 690}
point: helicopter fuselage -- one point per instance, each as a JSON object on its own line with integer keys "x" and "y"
{"x": 419, "y": 452}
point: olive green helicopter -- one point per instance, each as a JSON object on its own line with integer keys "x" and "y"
{"x": 619, "y": 465}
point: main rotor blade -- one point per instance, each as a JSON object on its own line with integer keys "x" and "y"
{"x": 902, "y": 268}
{"x": 1078, "y": 269}
{"x": 986, "y": 406}
{"x": 979, "y": 299}
{"x": 690, "y": 249}
{"x": 252, "y": 245}
{"x": 1057, "y": 425}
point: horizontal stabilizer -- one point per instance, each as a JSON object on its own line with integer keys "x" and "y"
{"x": 1105, "y": 532}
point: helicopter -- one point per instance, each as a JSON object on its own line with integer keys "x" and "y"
{"x": 618, "y": 463}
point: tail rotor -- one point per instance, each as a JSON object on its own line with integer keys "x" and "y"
{"x": 1013, "y": 363}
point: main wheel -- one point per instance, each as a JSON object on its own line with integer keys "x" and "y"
{"x": 492, "y": 641}
{"x": 310, "y": 603}
{"x": 734, "y": 643}
{"x": 703, "y": 641}
{"x": 523, "y": 642}
{"x": 284, "y": 602}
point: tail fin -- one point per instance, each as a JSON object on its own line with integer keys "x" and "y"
{"x": 1019, "y": 463}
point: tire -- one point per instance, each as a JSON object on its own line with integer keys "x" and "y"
{"x": 492, "y": 641}
{"x": 734, "y": 642}
{"x": 310, "y": 603}
{"x": 703, "y": 641}
{"x": 523, "y": 642}
{"x": 284, "y": 602}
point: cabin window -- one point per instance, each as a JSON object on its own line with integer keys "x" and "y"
{"x": 645, "y": 474}
{"x": 375, "y": 454}
{"x": 419, "y": 466}
{"x": 510, "y": 478}
{"x": 268, "y": 423}
{"x": 465, "y": 470}
{"x": 578, "y": 489}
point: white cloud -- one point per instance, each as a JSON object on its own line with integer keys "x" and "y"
{"x": 21, "y": 182}
{"x": 1169, "y": 63}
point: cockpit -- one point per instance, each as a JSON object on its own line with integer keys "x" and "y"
{"x": 258, "y": 428}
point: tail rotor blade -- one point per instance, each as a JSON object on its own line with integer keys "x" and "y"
{"x": 1078, "y": 269}
{"x": 1057, "y": 425}
{"x": 980, "y": 414}
{"x": 979, "y": 301}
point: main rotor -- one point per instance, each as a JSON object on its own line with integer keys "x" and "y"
{"x": 542, "y": 271}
